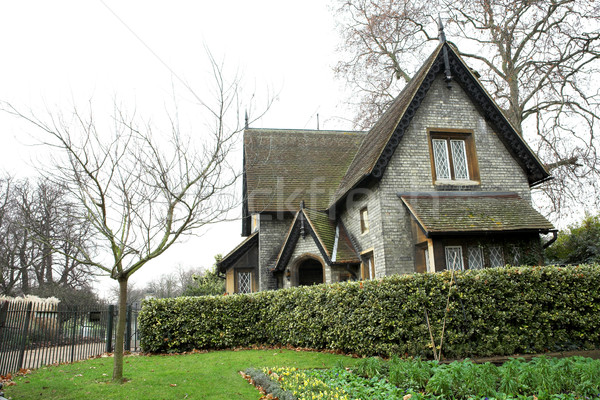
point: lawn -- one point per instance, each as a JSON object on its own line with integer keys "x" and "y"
{"x": 212, "y": 375}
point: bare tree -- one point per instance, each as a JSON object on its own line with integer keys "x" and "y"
{"x": 538, "y": 59}
{"x": 40, "y": 238}
{"x": 143, "y": 190}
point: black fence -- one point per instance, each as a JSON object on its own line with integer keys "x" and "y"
{"x": 33, "y": 334}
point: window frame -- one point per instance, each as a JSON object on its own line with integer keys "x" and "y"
{"x": 450, "y": 135}
{"x": 500, "y": 254}
{"x": 367, "y": 266}
{"x": 239, "y": 271}
{"x": 462, "y": 257}
{"x": 479, "y": 250}
{"x": 364, "y": 220}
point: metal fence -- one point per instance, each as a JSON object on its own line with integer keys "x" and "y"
{"x": 33, "y": 334}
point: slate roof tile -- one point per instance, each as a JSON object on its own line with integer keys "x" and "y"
{"x": 483, "y": 212}
{"x": 284, "y": 167}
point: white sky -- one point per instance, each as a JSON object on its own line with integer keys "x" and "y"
{"x": 65, "y": 52}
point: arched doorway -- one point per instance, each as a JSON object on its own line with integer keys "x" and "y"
{"x": 310, "y": 272}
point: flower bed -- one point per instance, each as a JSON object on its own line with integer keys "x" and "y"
{"x": 542, "y": 379}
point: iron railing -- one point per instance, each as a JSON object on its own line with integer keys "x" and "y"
{"x": 33, "y": 334}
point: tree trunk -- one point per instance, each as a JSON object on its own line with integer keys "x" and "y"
{"x": 120, "y": 339}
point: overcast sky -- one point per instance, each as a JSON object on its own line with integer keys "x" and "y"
{"x": 65, "y": 52}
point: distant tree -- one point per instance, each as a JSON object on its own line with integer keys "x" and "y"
{"x": 579, "y": 244}
{"x": 80, "y": 297}
{"x": 172, "y": 284}
{"x": 539, "y": 60}
{"x": 207, "y": 283}
{"x": 41, "y": 237}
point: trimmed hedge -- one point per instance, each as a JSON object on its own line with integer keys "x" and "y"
{"x": 499, "y": 311}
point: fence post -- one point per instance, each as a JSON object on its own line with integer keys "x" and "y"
{"x": 109, "y": 328}
{"x": 73, "y": 331}
{"x": 128, "y": 331}
{"x": 25, "y": 334}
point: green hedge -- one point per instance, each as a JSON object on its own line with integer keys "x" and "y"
{"x": 499, "y": 311}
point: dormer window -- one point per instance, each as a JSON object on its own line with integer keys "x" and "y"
{"x": 453, "y": 157}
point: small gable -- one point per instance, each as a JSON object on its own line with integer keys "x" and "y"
{"x": 330, "y": 239}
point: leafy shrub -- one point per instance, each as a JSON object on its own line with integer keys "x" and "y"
{"x": 411, "y": 374}
{"x": 371, "y": 367}
{"x": 500, "y": 311}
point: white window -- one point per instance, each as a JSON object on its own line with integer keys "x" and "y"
{"x": 496, "y": 257}
{"x": 475, "y": 256}
{"x": 459, "y": 159}
{"x": 364, "y": 220}
{"x": 440, "y": 156}
{"x": 454, "y": 259}
{"x": 244, "y": 282}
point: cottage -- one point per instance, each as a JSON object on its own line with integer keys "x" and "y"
{"x": 441, "y": 181}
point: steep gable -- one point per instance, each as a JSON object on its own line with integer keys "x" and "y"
{"x": 330, "y": 238}
{"x": 382, "y": 140}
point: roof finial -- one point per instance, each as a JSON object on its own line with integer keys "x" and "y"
{"x": 442, "y": 37}
{"x": 246, "y": 120}
{"x": 441, "y": 33}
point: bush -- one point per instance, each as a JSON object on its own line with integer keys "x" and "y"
{"x": 492, "y": 312}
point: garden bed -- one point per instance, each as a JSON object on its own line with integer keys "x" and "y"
{"x": 541, "y": 378}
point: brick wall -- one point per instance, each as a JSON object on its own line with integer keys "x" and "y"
{"x": 410, "y": 167}
{"x": 273, "y": 230}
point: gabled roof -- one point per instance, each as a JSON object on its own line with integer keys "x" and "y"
{"x": 332, "y": 240}
{"x": 283, "y": 167}
{"x": 474, "y": 212}
{"x": 382, "y": 140}
{"x": 236, "y": 253}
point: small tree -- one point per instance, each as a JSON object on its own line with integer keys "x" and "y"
{"x": 579, "y": 244}
{"x": 140, "y": 190}
{"x": 208, "y": 283}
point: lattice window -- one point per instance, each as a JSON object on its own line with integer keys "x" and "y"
{"x": 496, "y": 257}
{"x": 244, "y": 282}
{"x": 440, "y": 156}
{"x": 454, "y": 259}
{"x": 516, "y": 255}
{"x": 475, "y": 255}
{"x": 459, "y": 159}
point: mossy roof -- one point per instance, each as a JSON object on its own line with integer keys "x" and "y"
{"x": 439, "y": 212}
{"x": 284, "y": 167}
{"x": 325, "y": 229}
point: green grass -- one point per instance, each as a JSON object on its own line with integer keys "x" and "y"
{"x": 212, "y": 375}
